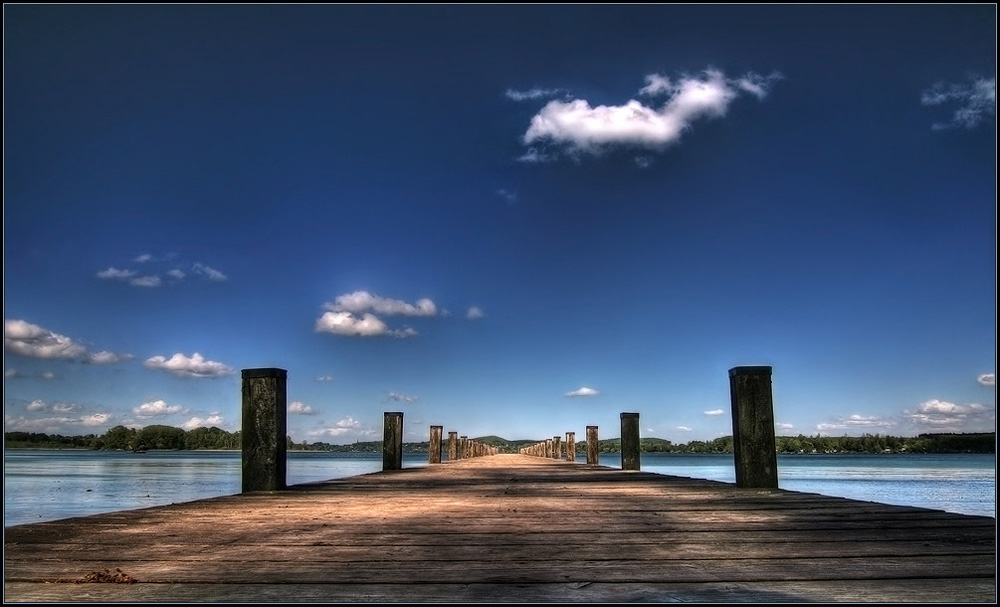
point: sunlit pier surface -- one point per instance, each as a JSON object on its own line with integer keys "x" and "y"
{"x": 508, "y": 528}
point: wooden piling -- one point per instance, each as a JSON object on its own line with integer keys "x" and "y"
{"x": 753, "y": 427}
{"x": 630, "y": 441}
{"x": 556, "y": 447}
{"x": 434, "y": 447}
{"x": 263, "y": 434}
{"x": 571, "y": 446}
{"x": 592, "y": 445}
{"x": 452, "y": 446}
{"x": 392, "y": 441}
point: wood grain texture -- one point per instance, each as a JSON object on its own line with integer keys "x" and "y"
{"x": 510, "y": 528}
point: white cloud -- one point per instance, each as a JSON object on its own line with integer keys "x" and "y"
{"x": 115, "y": 274}
{"x": 345, "y": 323}
{"x": 208, "y": 273}
{"x": 857, "y": 422}
{"x": 324, "y": 378}
{"x": 57, "y": 425}
{"x": 584, "y": 391}
{"x": 363, "y": 301}
{"x": 299, "y": 408}
{"x": 48, "y": 375}
{"x": 535, "y": 93}
{"x": 784, "y": 426}
{"x": 401, "y": 397}
{"x": 213, "y": 419}
{"x": 976, "y": 102}
{"x": 156, "y": 408}
{"x": 144, "y": 258}
{"x": 714, "y": 412}
{"x": 342, "y": 427}
{"x": 145, "y": 281}
{"x": 12, "y": 373}
{"x": 475, "y": 313}
{"x": 95, "y": 419}
{"x": 195, "y": 366}
{"x": 23, "y": 338}
{"x": 36, "y": 405}
{"x": 988, "y": 379}
{"x": 64, "y": 407}
{"x": 353, "y": 314}
{"x": 575, "y": 127}
{"x": 176, "y": 274}
{"x": 683, "y": 428}
{"x": 942, "y": 416}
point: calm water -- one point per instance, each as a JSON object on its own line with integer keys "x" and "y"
{"x": 49, "y": 485}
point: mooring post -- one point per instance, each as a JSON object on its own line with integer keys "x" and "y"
{"x": 753, "y": 427}
{"x": 630, "y": 441}
{"x": 592, "y": 445}
{"x": 434, "y": 447}
{"x": 392, "y": 441}
{"x": 463, "y": 447}
{"x": 263, "y": 434}
{"x": 548, "y": 448}
{"x": 453, "y": 446}
{"x": 571, "y": 446}
{"x": 556, "y": 447}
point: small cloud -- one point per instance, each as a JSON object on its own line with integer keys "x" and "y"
{"x": 944, "y": 416}
{"x": 784, "y": 426}
{"x": 987, "y": 379}
{"x": 195, "y": 366}
{"x": 145, "y": 281}
{"x": 509, "y": 197}
{"x": 535, "y": 93}
{"x": 64, "y": 407}
{"x": 26, "y": 339}
{"x": 214, "y": 419}
{"x": 857, "y": 422}
{"x": 401, "y": 397}
{"x": 95, "y": 419}
{"x": 584, "y": 391}
{"x": 36, "y": 405}
{"x": 644, "y": 162}
{"x": 156, "y": 408}
{"x": 683, "y": 428}
{"x": 324, "y": 378}
{"x": 714, "y": 412}
{"x": 176, "y": 274}
{"x": 115, "y": 274}
{"x": 144, "y": 258}
{"x": 344, "y": 426}
{"x": 975, "y": 101}
{"x": 475, "y": 313}
{"x": 208, "y": 273}
{"x": 353, "y": 314}
{"x": 12, "y": 373}
{"x": 299, "y": 408}
{"x": 575, "y": 127}
{"x": 48, "y": 375}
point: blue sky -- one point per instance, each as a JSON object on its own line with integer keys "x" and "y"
{"x": 503, "y": 220}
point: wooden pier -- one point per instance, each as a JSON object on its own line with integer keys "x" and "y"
{"x": 508, "y": 528}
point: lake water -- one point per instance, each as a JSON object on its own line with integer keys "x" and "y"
{"x": 42, "y": 485}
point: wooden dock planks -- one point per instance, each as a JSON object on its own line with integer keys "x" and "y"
{"x": 510, "y": 528}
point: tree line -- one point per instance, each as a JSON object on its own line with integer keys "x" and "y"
{"x": 158, "y": 437}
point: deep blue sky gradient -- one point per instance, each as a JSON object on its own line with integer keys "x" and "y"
{"x": 839, "y": 229}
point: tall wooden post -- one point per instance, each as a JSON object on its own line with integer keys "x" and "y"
{"x": 630, "y": 441}
{"x": 392, "y": 441}
{"x": 263, "y": 435}
{"x": 592, "y": 445}
{"x": 463, "y": 446}
{"x": 571, "y": 446}
{"x": 434, "y": 447}
{"x": 452, "y": 446}
{"x": 753, "y": 427}
{"x": 556, "y": 447}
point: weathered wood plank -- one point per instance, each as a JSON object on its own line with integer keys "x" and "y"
{"x": 471, "y": 530}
